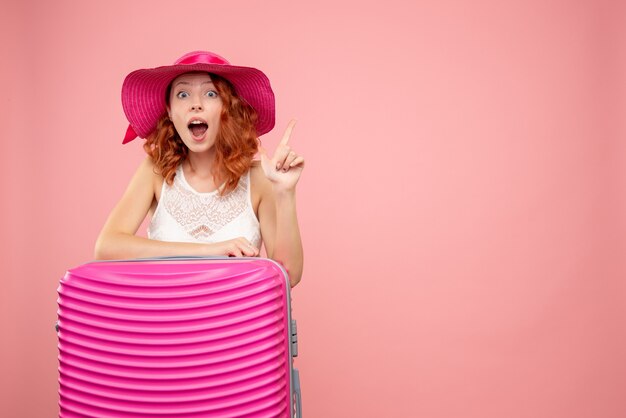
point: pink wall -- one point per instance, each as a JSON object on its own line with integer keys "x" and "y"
{"x": 462, "y": 206}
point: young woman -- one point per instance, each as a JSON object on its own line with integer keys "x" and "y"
{"x": 201, "y": 118}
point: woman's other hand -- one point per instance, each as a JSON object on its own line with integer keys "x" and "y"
{"x": 283, "y": 169}
{"x": 238, "y": 247}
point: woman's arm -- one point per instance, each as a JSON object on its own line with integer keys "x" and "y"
{"x": 280, "y": 230}
{"x": 277, "y": 208}
{"x": 117, "y": 239}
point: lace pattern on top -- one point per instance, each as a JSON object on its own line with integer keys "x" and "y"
{"x": 183, "y": 214}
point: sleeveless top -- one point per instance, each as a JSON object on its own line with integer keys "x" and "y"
{"x": 185, "y": 215}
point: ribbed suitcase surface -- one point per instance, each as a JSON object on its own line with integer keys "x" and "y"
{"x": 177, "y": 338}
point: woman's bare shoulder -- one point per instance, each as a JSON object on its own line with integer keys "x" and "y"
{"x": 259, "y": 184}
{"x": 148, "y": 170}
{"x": 148, "y": 173}
{"x": 147, "y": 166}
{"x": 257, "y": 176}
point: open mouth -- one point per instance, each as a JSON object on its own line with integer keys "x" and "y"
{"x": 197, "y": 128}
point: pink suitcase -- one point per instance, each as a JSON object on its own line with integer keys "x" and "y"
{"x": 177, "y": 337}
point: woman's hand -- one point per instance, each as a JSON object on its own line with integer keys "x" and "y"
{"x": 285, "y": 167}
{"x": 238, "y": 247}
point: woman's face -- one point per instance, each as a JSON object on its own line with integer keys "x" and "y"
{"x": 195, "y": 108}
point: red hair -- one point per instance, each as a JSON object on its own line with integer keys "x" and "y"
{"x": 235, "y": 144}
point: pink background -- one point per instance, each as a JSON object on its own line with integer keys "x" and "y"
{"x": 462, "y": 207}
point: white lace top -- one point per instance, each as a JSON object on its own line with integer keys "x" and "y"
{"x": 185, "y": 215}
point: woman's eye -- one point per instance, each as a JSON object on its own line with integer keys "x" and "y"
{"x": 182, "y": 94}
{"x": 211, "y": 93}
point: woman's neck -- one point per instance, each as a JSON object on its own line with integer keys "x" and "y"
{"x": 201, "y": 164}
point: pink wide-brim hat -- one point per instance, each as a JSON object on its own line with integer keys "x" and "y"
{"x": 143, "y": 91}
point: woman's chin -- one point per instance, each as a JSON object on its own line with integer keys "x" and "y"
{"x": 198, "y": 145}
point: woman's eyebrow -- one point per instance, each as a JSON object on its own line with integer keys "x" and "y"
{"x": 188, "y": 83}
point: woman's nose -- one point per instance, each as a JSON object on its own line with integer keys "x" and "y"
{"x": 196, "y": 103}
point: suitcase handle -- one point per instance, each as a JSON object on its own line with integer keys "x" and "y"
{"x": 171, "y": 257}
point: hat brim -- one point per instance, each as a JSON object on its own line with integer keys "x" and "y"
{"x": 143, "y": 94}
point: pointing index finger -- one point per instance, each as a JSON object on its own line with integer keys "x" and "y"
{"x": 287, "y": 134}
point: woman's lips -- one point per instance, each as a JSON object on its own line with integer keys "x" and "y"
{"x": 198, "y": 130}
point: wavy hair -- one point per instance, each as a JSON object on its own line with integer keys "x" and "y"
{"x": 235, "y": 144}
